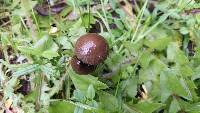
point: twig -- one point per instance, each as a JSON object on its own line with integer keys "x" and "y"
{"x": 6, "y": 23}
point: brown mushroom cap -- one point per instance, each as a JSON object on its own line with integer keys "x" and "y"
{"x": 91, "y": 49}
{"x": 81, "y": 68}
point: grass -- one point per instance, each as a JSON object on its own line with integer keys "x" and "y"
{"x": 152, "y": 67}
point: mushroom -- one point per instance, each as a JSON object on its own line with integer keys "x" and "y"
{"x": 81, "y": 68}
{"x": 91, "y": 49}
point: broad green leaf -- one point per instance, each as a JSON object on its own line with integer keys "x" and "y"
{"x": 152, "y": 71}
{"x": 108, "y": 102}
{"x": 90, "y": 92}
{"x": 82, "y": 82}
{"x": 65, "y": 42}
{"x": 165, "y": 92}
{"x": 61, "y": 107}
{"x": 129, "y": 109}
{"x": 174, "y": 54}
{"x": 186, "y": 70}
{"x": 113, "y": 60}
{"x": 181, "y": 58}
{"x": 159, "y": 44}
{"x": 158, "y": 39}
{"x": 49, "y": 54}
{"x": 175, "y": 85}
{"x": 131, "y": 86}
{"x": 44, "y": 47}
{"x": 146, "y": 59}
{"x": 44, "y": 43}
{"x": 172, "y": 51}
{"x": 147, "y": 107}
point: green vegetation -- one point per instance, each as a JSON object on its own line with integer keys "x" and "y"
{"x": 153, "y": 64}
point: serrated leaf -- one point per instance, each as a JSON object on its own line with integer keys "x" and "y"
{"x": 29, "y": 50}
{"x": 78, "y": 110}
{"x": 171, "y": 51}
{"x": 181, "y": 58}
{"x": 48, "y": 70}
{"x": 165, "y": 92}
{"x": 146, "y": 59}
{"x": 64, "y": 41}
{"x": 159, "y": 43}
{"x": 174, "y": 54}
{"x": 158, "y": 39}
{"x": 147, "y": 107}
{"x": 61, "y": 107}
{"x": 174, "y": 84}
{"x": 44, "y": 47}
{"x": 186, "y": 71}
{"x": 26, "y": 70}
{"x": 108, "y": 102}
{"x": 82, "y": 82}
{"x": 44, "y": 43}
{"x": 152, "y": 71}
{"x": 131, "y": 86}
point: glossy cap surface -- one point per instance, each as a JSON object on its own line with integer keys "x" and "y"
{"x": 91, "y": 49}
{"x": 81, "y": 68}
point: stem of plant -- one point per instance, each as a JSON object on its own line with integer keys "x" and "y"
{"x": 89, "y": 18}
{"x": 80, "y": 13}
{"x": 36, "y": 22}
{"x": 39, "y": 90}
{"x": 67, "y": 84}
{"x": 68, "y": 87}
